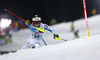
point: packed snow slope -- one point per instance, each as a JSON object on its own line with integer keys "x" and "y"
{"x": 77, "y": 49}
{"x": 63, "y": 29}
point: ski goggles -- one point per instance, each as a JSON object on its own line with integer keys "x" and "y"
{"x": 36, "y": 22}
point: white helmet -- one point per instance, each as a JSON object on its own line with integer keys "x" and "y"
{"x": 36, "y": 18}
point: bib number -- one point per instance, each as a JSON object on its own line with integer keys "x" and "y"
{"x": 36, "y": 36}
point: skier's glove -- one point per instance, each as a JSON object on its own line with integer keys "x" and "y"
{"x": 56, "y": 36}
{"x": 41, "y": 30}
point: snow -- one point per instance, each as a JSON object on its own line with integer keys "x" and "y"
{"x": 75, "y": 49}
{"x": 78, "y": 49}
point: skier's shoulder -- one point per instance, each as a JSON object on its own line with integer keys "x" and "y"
{"x": 32, "y": 26}
{"x": 45, "y": 25}
{"x": 42, "y": 23}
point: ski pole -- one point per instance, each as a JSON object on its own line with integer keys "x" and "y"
{"x": 63, "y": 39}
{"x": 16, "y": 16}
{"x": 26, "y": 24}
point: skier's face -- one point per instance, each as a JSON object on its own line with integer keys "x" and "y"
{"x": 36, "y": 23}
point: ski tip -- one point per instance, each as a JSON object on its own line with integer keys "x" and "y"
{"x": 5, "y": 9}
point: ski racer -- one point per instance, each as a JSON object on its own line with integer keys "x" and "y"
{"x": 34, "y": 41}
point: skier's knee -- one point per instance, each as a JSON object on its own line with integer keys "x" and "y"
{"x": 37, "y": 45}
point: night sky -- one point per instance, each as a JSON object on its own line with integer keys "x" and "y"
{"x": 61, "y": 10}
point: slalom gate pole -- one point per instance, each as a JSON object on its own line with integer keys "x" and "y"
{"x": 26, "y": 24}
{"x": 84, "y": 5}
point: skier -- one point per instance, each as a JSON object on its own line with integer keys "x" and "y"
{"x": 34, "y": 41}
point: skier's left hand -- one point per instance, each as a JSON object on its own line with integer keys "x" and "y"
{"x": 56, "y": 36}
{"x": 41, "y": 30}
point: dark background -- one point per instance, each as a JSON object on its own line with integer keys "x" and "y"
{"x": 61, "y": 10}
